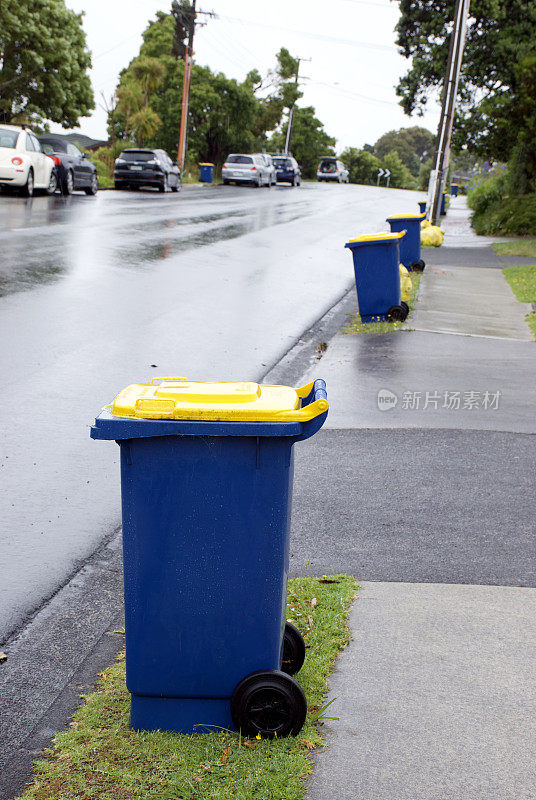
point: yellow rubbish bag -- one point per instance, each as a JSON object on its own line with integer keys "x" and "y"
{"x": 432, "y": 236}
{"x": 425, "y": 223}
{"x": 406, "y": 284}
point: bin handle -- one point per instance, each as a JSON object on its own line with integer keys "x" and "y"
{"x": 156, "y": 381}
{"x": 314, "y": 399}
{"x": 314, "y": 404}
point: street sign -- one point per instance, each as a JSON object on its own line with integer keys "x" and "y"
{"x": 383, "y": 173}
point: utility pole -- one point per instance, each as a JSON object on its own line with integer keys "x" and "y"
{"x": 448, "y": 107}
{"x": 186, "y": 79}
{"x": 291, "y": 113}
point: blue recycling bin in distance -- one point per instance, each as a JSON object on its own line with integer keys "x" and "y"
{"x": 206, "y": 484}
{"x": 410, "y": 245}
{"x": 207, "y": 172}
{"x": 454, "y": 189}
{"x": 377, "y": 277}
{"x": 422, "y": 206}
{"x": 443, "y": 209}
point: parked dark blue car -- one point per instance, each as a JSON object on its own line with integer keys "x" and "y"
{"x": 287, "y": 170}
{"x": 74, "y": 170}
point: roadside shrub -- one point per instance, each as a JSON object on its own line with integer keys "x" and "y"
{"x": 487, "y": 190}
{"x": 507, "y": 216}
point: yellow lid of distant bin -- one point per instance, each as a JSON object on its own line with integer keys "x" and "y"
{"x": 180, "y": 398}
{"x": 378, "y": 237}
{"x": 406, "y": 216}
{"x": 205, "y": 164}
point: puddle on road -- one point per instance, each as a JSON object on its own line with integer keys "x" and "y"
{"x": 23, "y": 268}
{"x": 29, "y": 261}
{"x": 145, "y": 254}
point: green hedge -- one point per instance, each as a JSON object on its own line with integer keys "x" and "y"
{"x": 507, "y": 216}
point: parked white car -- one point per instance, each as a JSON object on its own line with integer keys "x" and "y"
{"x": 268, "y": 160}
{"x": 242, "y": 168}
{"x": 22, "y": 162}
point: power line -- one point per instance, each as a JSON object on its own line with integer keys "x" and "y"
{"x": 310, "y": 35}
{"x": 386, "y": 6}
{"x": 221, "y": 47}
{"x": 119, "y": 44}
{"x": 356, "y": 95}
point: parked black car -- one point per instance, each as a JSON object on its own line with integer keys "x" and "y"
{"x": 74, "y": 170}
{"x": 135, "y": 168}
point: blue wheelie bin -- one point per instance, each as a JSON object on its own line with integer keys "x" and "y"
{"x": 410, "y": 245}
{"x": 422, "y": 206}
{"x": 377, "y": 277}
{"x": 443, "y": 209}
{"x": 207, "y": 172}
{"x": 206, "y": 485}
{"x": 454, "y": 189}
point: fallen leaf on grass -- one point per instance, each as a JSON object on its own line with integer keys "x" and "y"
{"x": 225, "y": 757}
{"x": 314, "y": 601}
{"x": 308, "y": 744}
{"x": 250, "y": 744}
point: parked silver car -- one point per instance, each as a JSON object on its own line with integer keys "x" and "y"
{"x": 241, "y": 168}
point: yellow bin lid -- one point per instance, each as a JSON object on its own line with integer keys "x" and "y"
{"x": 406, "y": 216}
{"x": 180, "y": 398}
{"x": 378, "y": 237}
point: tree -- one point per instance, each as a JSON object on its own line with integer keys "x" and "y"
{"x": 276, "y": 91}
{"x": 500, "y": 34}
{"x": 522, "y": 166}
{"x": 413, "y": 145}
{"x": 145, "y": 75}
{"x": 362, "y": 165}
{"x": 44, "y": 63}
{"x": 401, "y": 177}
{"x": 223, "y": 114}
{"x": 309, "y": 140}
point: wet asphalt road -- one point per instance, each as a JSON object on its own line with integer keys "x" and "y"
{"x": 100, "y": 292}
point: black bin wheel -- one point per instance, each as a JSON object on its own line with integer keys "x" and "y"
{"x": 293, "y": 650}
{"x": 270, "y": 703}
{"x": 397, "y": 314}
{"x": 405, "y": 306}
{"x": 418, "y": 266}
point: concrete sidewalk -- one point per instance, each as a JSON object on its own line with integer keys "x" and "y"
{"x": 435, "y": 697}
{"x": 464, "y": 291}
{"x": 474, "y": 301}
{"x": 423, "y": 489}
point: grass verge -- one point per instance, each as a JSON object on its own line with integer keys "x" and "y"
{"x": 521, "y": 247}
{"x": 355, "y": 326}
{"x": 99, "y": 756}
{"x": 522, "y": 281}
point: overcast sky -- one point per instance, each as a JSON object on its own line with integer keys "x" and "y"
{"x": 350, "y": 80}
